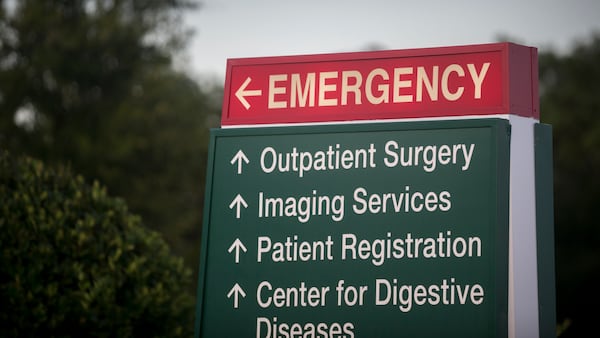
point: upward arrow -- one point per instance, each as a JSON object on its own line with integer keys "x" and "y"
{"x": 237, "y": 246}
{"x": 241, "y": 93}
{"x": 239, "y": 157}
{"x": 236, "y": 291}
{"x": 238, "y": 202}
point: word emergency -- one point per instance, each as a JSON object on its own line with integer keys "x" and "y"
{"x": 379, "y": 85}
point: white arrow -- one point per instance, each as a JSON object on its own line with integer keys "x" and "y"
{"x": 237, "y": 246}
{"x": 241, "y": 93}
{"x": 238, "y": 201}
{"x": 240, "y": 157}
{"x": 236, "y": 291}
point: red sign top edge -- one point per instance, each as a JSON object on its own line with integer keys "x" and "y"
{"x": 482, "y": 80}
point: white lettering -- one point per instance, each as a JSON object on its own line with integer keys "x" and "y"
{"x": 430, "y": 84}
{"x": 450, "y": 96}
{"x": 354, "y": 88}
{"x": 478, "y": 78}
{"x": 273, "y": 90}
{"x": 398, "y": 84}
{"x": 382, "y": 88}
{"x": 324, "y": 88}
{"x": 379, "y": 86}
{"x": 302, "y": 94}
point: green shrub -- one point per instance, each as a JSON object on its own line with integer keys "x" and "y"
{"x": 75, "y": 262}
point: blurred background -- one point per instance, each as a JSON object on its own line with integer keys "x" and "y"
{"x": 124, "y": 92}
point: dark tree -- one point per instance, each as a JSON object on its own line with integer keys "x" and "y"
{"x": 75, "y": 262}
{"x": 570, "y": 102}
{"x": 89, "y": 83}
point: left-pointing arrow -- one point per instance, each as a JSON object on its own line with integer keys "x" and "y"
{"x": 241, "y": 93}
{"x": 236, "y": 291}
{"x": 237, "y": 203}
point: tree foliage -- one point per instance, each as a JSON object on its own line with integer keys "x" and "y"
{"x": 90, "y": 83}
{"x": 156, "y": 153}
{"x": 75, "y": 262}
{"x": 69, "y": 63}
{"x": 570, "y": 103}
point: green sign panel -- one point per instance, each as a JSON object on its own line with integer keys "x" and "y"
{"x": 357, "y": 230}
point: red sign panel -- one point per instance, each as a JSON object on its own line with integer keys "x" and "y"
{"x": 436, "y": 82}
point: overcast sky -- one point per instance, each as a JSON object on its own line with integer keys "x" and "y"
{"x": 247, "y": 28}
